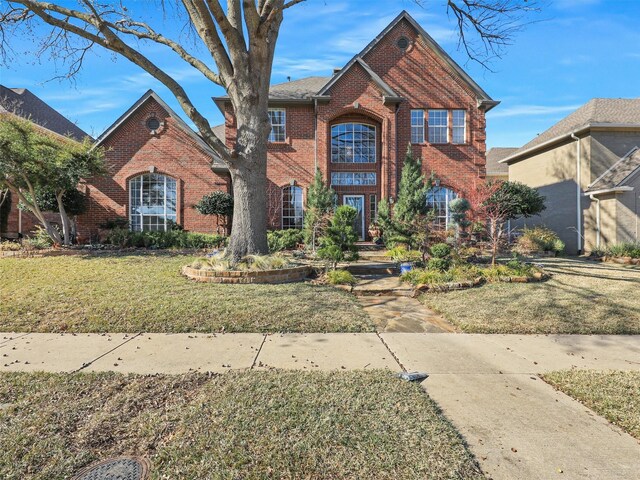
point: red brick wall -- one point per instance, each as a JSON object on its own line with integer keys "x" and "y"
{"x": 418, "y": 75}
{"x": 131, "y": 151}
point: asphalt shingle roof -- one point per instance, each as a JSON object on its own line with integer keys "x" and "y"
{"x": 597, "y": 110}
{"x": 218, "y": 131}
{"x": 298, "y": 89}
{"x": 494, "y": 155}
{"x": 618, "y": 173}
{"x": 23, "y": 103}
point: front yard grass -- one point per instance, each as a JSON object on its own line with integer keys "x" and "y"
{"x": 581, "y": 297}
{"x": 613, "y": 394}
{"x": 132, "y": 293}
{"x": 285, "y": 425}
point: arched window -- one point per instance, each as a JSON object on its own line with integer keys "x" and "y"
{"x": 438, "y": 199}
{"x": 152, "y": 202}
{"x": 292, "y": 209}
{"x": 353, "y": 143}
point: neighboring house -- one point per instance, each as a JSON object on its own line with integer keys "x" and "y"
{"x": 588, "y": 168}
{"x": 21, "y": 102}
{"x": 355, "y": 127}
{"x": 495, "y": 169}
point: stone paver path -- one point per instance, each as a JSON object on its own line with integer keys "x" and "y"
{"x": 403, "y": 314}
{"x": 488, "y": 385}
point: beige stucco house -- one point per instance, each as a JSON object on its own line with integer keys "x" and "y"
{"x": 588, "y": 168}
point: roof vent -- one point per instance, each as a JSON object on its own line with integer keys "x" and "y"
{"x": 336, "y": 70}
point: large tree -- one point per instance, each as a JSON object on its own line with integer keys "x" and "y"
{"x": 239, "y": 40}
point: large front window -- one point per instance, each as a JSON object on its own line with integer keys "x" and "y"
{"x": 292, "y": 209}
{"x": 353, "y": 143}
{"x": 152, "y": 202}
{"x": 438, "y": 200}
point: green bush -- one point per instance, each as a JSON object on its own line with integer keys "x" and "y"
{"x": 440, "y": 264}
{"x": 403, "y": 254}
{"x": 339, "y": 241}
{"x": 440, "y": 250}
{"x": 340, "y": 277}
{"x": 288, "y": 239}
{"x": 627, "y": 249}
{"x": 9, "y": 246}
{"x": 164, "y": 240}
{"x": 38, "y": 241}
{"x": 539, "y": 239}
{"x": 437, "y": 277}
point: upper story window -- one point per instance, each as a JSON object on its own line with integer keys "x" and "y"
{"x": 417, "y": 126}
{"x": 353, "y": 143}
{"x": 459, "y": 126}
{"x": 152, "y": 202}
{"x": 278, "y": 118}
{"x": 438, "y": 126}
{"x": 292, "y": 207}
{"x": 438, "y": 200}
{"x": 353, "y": 178}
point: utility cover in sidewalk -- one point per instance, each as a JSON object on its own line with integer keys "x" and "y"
{"x": 123, "y": 468}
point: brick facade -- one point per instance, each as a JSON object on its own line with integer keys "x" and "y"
{"x": 132, "y": 150}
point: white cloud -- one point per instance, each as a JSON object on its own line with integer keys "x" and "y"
{"x": 528, "y": 110}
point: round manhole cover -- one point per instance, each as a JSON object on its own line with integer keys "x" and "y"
{"x": 123, "y": 468}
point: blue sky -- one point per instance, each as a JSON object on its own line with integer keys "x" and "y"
{"x": 575, "y": 50}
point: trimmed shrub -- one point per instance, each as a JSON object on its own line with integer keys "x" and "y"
{"x": 440, "y": 250}
{"x": 164, "y": 240}
{"x": 440, "y": 264}
{"x": 340, "y": 277}
{"x": 288, "y": 239}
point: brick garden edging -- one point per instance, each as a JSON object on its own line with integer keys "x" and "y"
{"x": 447, "y": 287}
{"x": 283, "y": 275}
{"x": 621, "y": 260}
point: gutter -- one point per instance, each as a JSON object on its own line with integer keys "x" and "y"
{"x": 578, "y": 191}
{"x": 597, "y": 200}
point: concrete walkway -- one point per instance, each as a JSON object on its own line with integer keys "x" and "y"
{"x": 488, "y": 386}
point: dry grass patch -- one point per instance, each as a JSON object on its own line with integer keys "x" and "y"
{"x": 135, "y": 293}
{"x": 249, "y": 425}
{"x": 613, "y": 394}
{"x": 581, "y": 297}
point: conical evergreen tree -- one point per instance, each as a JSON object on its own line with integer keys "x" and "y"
{"x": 412, "y": 190}
{"x": 321, "y": 199}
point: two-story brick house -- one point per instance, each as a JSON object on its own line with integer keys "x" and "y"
{"x": 354, "y": 126}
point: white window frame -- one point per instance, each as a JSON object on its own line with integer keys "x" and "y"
{"x": 433, "y": 126}
{"x": 352, "y": 176}
{"x": 450, "y": 195}
{"x": 272, "y": 136}
{"x": 463, "y": 126}
{"x": 375, "y": 143}
{"x": 417, "y": 115}
{"x": 141, "y": 216}
{"x": 283, "y": 216}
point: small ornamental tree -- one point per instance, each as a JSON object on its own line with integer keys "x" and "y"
{"x": 459, "y": 208}
{"x": 339, "y": 240}
{"x": 216, "y": 203}
{"x": 498, "y": 202}
{"x": 321, "y": 200}
{"x": 34, "y": 161}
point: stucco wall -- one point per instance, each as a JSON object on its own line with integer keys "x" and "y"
{"x": 628, "y": 211}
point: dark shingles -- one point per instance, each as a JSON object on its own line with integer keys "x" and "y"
{"x": 496, "y": 154}
{"x": 618, "y": 173}
{"x": 23, "y": 103}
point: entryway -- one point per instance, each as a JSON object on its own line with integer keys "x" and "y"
{"x": 357, "y": 202}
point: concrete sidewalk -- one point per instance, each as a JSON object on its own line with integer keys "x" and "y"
{"x": 517, "y": 426}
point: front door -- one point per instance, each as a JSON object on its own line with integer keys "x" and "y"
{"x": 357, "y": 202}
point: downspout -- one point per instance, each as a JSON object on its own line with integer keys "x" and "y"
{"x": 315, "y": 135}
{"x": 396, "y": 143}
{"x": 578, "y": 192}
{"x": 597, "y": 200}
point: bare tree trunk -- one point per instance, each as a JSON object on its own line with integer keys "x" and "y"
{"x": 66, "y": 223}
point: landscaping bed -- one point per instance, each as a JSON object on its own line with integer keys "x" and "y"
{"x": 305, "y": 425}
{"x": 613, "y": 394}
{"x": 132, "y": 293}
{"x": 581, "y": 297}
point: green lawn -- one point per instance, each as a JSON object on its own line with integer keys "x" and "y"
{"x": 615, "y": 394}
{"x": 581, "y": 297}
{"x": 131, "y": 293}
{"x": 252, "y": 425}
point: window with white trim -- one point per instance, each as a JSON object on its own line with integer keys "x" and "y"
{"x": 278, "y": 119}
{"x": 459, "y": 124}
{"x": 417, "y": 126}
{"x": 353, "y": 178}
{"x": 438, "y": 200}
{"x": 438, "y": 126}
{"x": 152, "y": 202}
{"x": 292, "y": 207}
{"x": 353, "y": 143}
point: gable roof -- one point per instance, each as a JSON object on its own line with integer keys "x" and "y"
{"x": 25, "y": 104}
{"x": 615, "y": 178}
{"x": 483, "y": 98}
{"x": 304, "y": 88}
{"x": 598, "y": 112}
{"x": 217, "y": 162}
{"x": 494, "y": 155}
